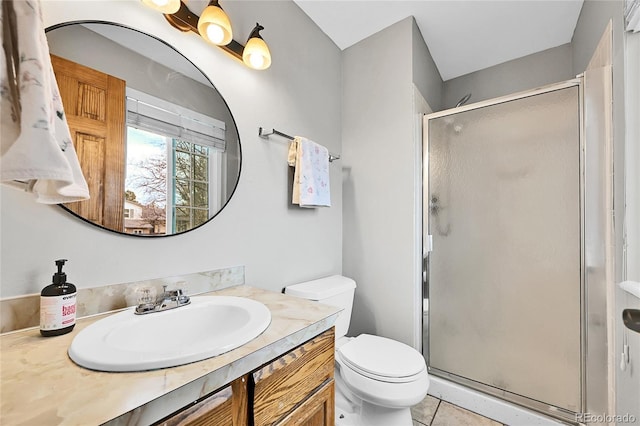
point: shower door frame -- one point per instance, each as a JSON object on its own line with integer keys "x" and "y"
{"x": 590, "y": 378}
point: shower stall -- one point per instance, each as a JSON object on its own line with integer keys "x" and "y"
{"x": 510, "y": 272}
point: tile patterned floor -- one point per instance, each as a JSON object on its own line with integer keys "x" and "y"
{"x": 434, "y": 412}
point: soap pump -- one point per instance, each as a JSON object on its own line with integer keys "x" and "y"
{"x": 58, "y": 304}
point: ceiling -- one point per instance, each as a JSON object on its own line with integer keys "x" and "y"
{"x": 463, "y": 36}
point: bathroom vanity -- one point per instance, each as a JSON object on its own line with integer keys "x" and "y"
{"x": 284, "y": 376}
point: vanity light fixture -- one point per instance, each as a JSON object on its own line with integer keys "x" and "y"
{"x": 214, "y": 27}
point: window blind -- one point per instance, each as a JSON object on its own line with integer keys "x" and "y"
{"x": 181, "y": 124}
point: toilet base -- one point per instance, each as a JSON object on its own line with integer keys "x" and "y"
{"x": 362, "y": 413}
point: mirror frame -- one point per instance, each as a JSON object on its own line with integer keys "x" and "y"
{"x": 237, "y": 133}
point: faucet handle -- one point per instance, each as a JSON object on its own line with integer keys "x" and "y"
{"x": 172, "y": 293}
{"x": 182, "y": 298}
{"x": 177, "y": 294}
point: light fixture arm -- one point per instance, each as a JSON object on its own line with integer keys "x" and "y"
{"x": 256, "y": 32}
{"x": 185, "y": 21}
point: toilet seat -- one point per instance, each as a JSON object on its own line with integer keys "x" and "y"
{"x": 382, "y": 359}
{"x": 381, "y": 371}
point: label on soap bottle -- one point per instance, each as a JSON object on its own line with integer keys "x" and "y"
{"x": 57, "y": 312}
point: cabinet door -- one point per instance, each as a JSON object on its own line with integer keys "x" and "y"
{"x": 317, "y": 410}
{"x": 227, "y": 407}
{"x": 286, "y": 383}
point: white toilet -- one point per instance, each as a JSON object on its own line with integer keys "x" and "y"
{"x": 377, "y": 379}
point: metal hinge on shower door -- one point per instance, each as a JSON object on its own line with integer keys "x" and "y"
{"x": 428, "y": 244}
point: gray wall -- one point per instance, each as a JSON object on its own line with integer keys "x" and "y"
{"x": 381, "y": 176}
{"x": 535, "y": 70}
{"x": 593, "y": 20}
{"x": 426, "y": 76}
{"x": 279, "y": 244}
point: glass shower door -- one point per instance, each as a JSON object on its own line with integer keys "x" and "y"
{"x": 504, "y": 275}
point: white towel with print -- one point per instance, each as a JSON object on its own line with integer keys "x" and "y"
{"x": 311, "y": 177}
{"x": 36, "y": 145}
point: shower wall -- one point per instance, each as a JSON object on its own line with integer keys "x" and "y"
{"x": 503, "y": 210}
{"x": 535, "y": 70}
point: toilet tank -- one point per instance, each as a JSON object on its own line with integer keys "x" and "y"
{"x": 335, "y": 290}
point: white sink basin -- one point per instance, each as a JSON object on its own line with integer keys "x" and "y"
{"x": 209, "y": 326}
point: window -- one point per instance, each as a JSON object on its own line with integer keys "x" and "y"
{"x": 191, "y": 184}
{"x": 128, "y": 213}
{"x": 174, "y": 162}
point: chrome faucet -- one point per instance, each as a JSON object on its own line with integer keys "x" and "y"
{"x": 169, "y": 299}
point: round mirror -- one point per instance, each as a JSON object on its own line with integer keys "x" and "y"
{"x": 157, "y": 143}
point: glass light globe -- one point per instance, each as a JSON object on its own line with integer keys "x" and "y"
{"x": 214, "y": 16}
{"x": 256, "y": 54}
{"x": 164, "y": 6}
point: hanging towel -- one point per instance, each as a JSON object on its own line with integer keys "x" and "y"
{"x": 35, "y": 141}
{"x": 311, "y": 177}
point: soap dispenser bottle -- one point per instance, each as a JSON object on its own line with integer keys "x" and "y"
{"x": 58, "y": 305}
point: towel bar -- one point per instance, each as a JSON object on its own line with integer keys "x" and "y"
{"x": 265, "y": 133}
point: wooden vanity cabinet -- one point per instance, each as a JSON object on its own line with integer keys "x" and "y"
{"x": 294, "y": 389}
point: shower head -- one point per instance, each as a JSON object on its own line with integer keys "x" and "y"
{"x": 463, "y": 100}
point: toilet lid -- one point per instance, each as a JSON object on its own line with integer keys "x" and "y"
{"x": 379, "y": 357}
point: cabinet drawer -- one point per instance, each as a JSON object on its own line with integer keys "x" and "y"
{"x": 285, "y": 383}
{"x": 318, "y": 410}
{"x": 226, "y": 407}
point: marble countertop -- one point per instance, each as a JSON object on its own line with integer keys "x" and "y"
{"x": 40, "y": 385}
